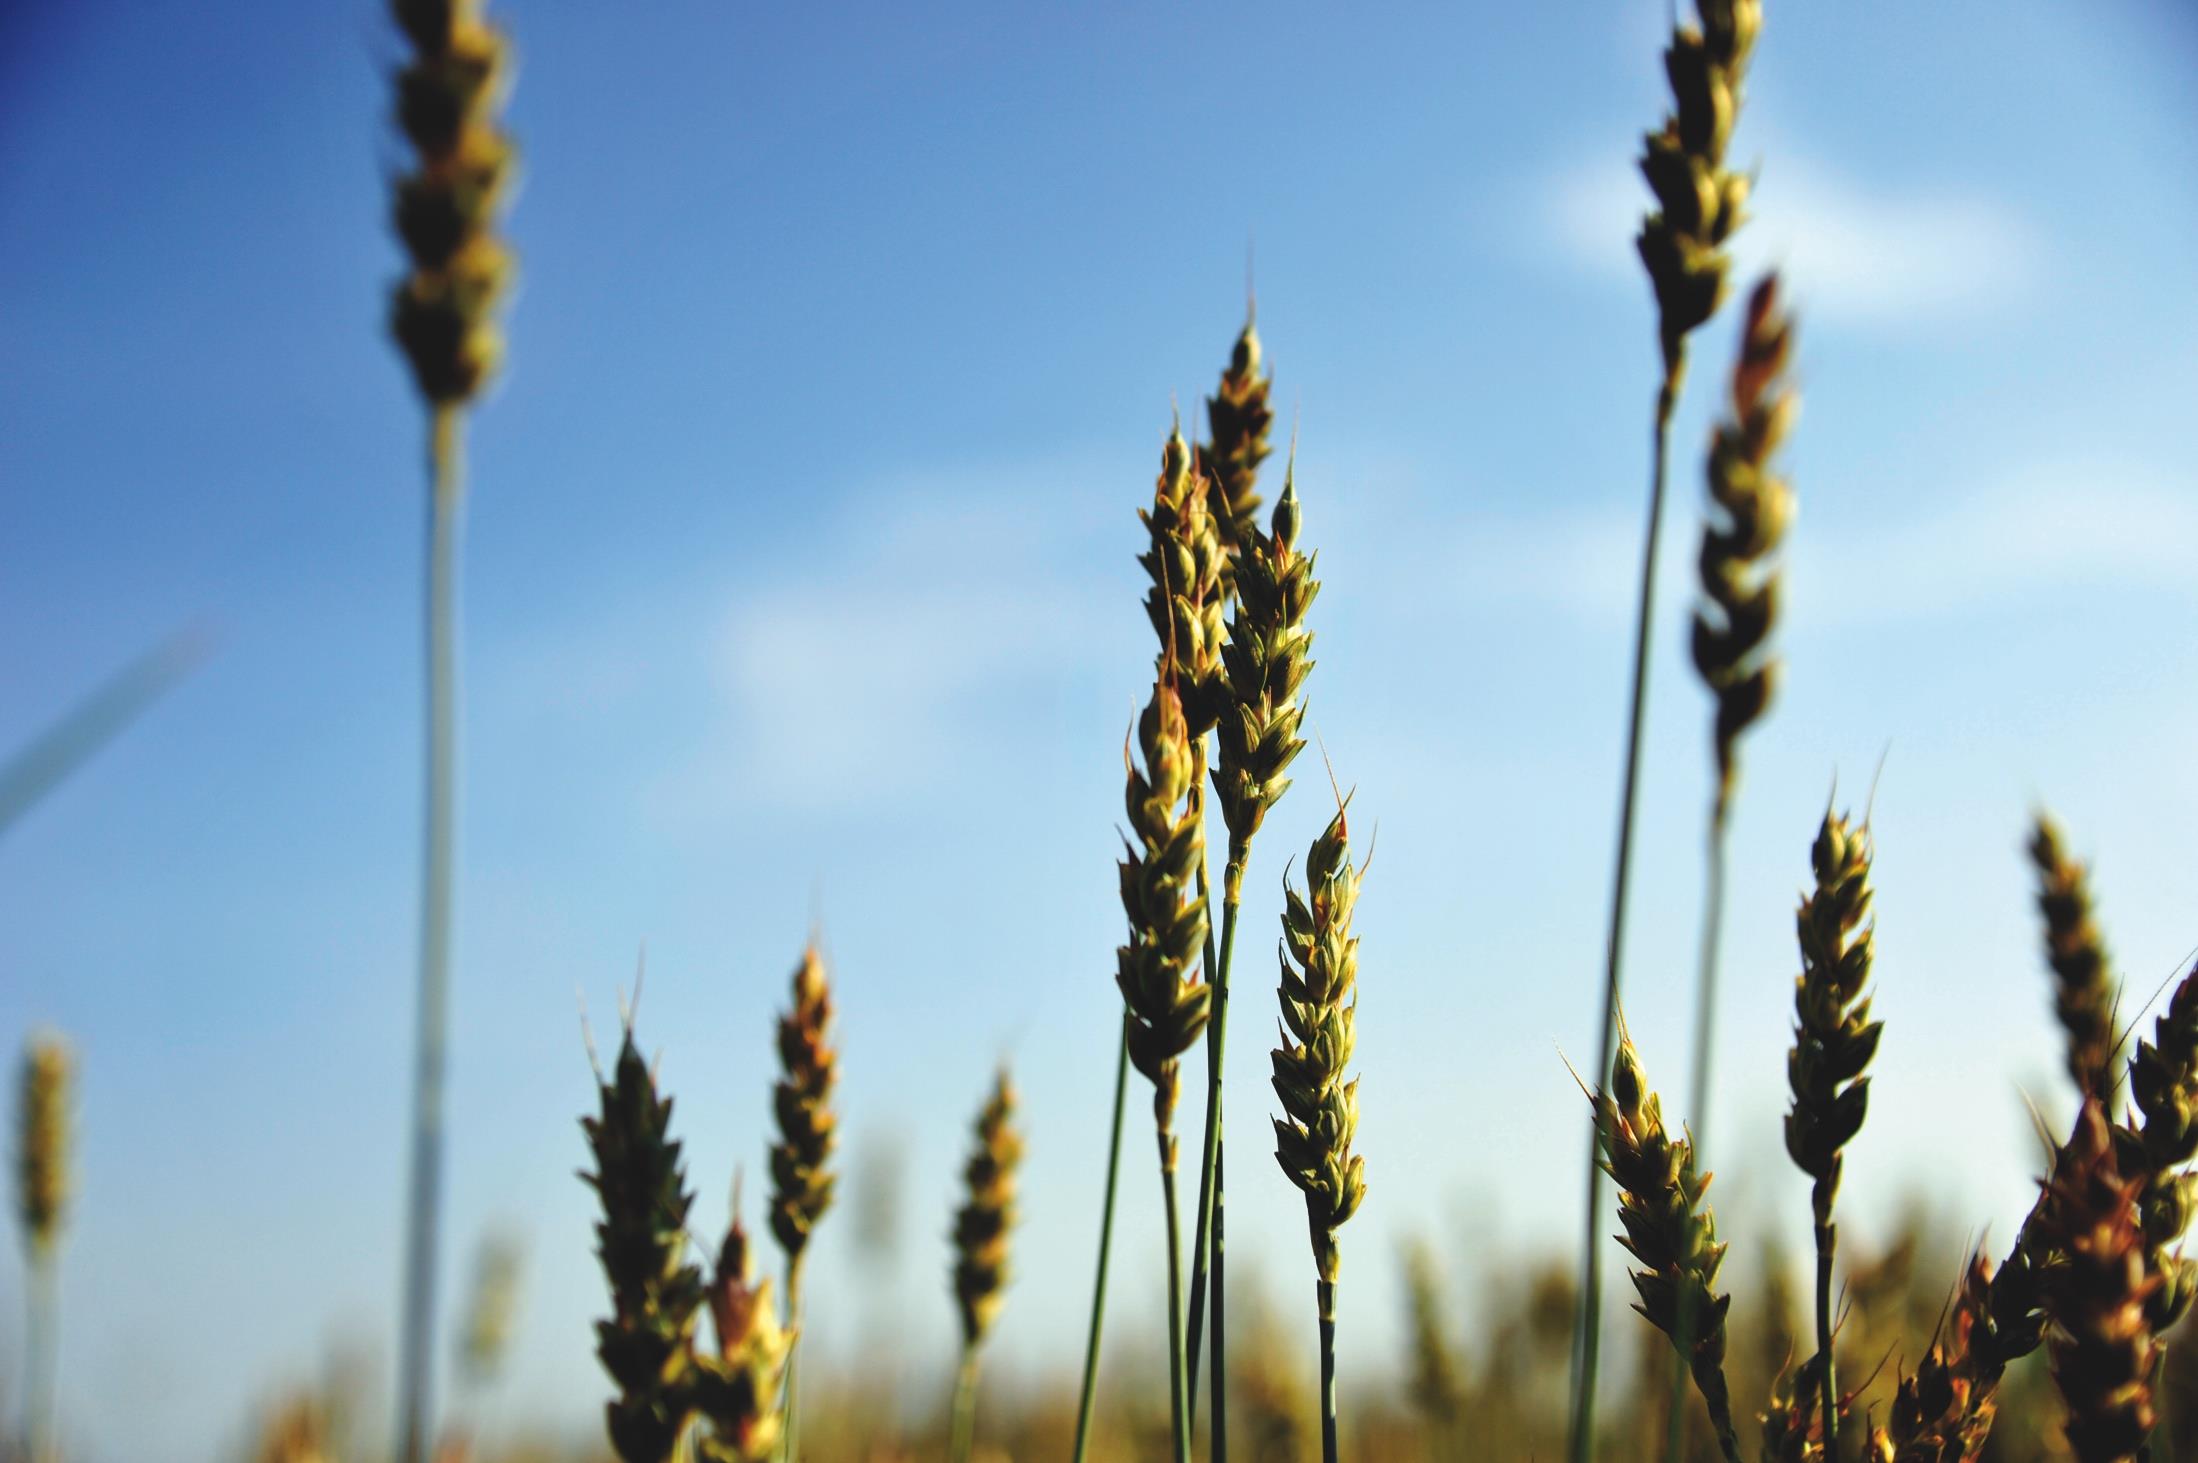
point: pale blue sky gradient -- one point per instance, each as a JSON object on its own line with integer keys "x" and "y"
{"x": 800, "y": 583}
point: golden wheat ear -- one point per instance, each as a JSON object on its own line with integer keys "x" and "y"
{"x": 981, "y": 1228}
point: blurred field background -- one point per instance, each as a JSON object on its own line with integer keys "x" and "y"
{"x": 800, "y": 589}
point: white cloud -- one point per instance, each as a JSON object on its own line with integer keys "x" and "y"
{"x": 1851, "y": 251}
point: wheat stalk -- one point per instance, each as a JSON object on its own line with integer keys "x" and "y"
{"x": 1750, "y": 506}
{"x": 1319, "y": 996}
{"x": 1669, "y": 1229}
{"x": 443, "y": 318}
{"x": 736, "y": 1391}
{"x": 1834, "y": 1040}
{"x": 981, "y": 1228}
{"x": 1681, "y": 243}
{"x": 1167, "y": 1004}
{"x": 2083, "y": 1000}
{"x": 646, "y": 1343}
{"x": 42, "y": 1184}
{"x": 801, "y": 1184}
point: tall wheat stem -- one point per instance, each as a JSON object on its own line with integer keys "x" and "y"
{"x": 1178, "y": 1388}
{"x": 1325, "y": 1292}
{"x": 43, "y": 1407}
{"x": 1582, "y": 1443}
{"x": 422, "y": 1242}
{"x": 1106, "y": 1244}
{"x": 1205, "y": 1264}
{"x": 792, "y": 1446}
{"x": 1705, "y": 1033}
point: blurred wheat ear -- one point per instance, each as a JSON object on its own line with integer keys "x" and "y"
{"x": 42, "y": 1185}
{"x": 801, "y": 1184}
{"x": 737, "y": 1390}
{"x": 443, "y": 316}
{"x": 981, "y": 1229}
{"x": 1699, "y": 202}
{"x": 2084, "y": 995}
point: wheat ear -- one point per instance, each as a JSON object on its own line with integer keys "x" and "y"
{"x": 443, "y": 317}
{"x": 1319, "y": 996}
{"x": 737, "y": 1390}
{"x": 2083, "y": 997}
{"x": 646, "y": 1345}
{"x": 1238, "y": 419}
{"x": 981, "y": 1228}
{"x": 1943, "y": 1411}
{"x": 1167, "y": 1004}
{"x": 2104, "y": 1351}
{"x": 1698, "y": 205}
{"x": 42, "y": 1184}
{"x": 801, "y": 1184}
{"x": 1834, "y": 1040}
{"x": 2161, "y": 1146}
{"x": 1669, "y": 1229}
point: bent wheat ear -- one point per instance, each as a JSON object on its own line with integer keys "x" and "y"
{"x": 2083, "y": 999}
{"x": 1238, "y": 419}
{"x": 656, "y": 1296}
{"x": 1669, "y": 1230}
{"x": 1752, "y": 506}
{"x": 737, "y": 1390}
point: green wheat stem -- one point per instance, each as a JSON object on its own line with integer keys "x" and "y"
{"x": 1106, "y": 1244}
{"x": 1325, "y": 1292}
{"x": 1705, "y": 1035}
{"x": 1178, "y": 1412}
{"x": 1203, "y": 1261}
{"x": 1829, "y": 1392}
{"x": 1581, "y": 1445}
{"x": 965, "y": 1408}
{"x": 790, "y": 1446}
{"x": 42, "y": 1412}
{"x": 1217, "y": 1450}
{"x": 422, "y": 1241}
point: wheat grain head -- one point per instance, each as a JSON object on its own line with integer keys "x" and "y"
{"x": 982, "y": 1223}
{"x": 801, "y": 1184}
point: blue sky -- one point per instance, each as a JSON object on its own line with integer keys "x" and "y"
{"x": 800, "y": 584}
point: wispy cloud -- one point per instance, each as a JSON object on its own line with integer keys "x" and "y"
{"x": 1855, "y": 251}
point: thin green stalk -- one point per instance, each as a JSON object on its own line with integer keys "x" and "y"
{"x": 1581, "y": 1446}
{"x": 422, "y": 1240}
{"x": 1210, "y": 1149}
{"x": 43, "y": 1409}
{"x": 1217, "y": 1450}
{"x": 965, "y": 1408}
{"x": 1178, "y": 1411}
{"x": 790, "y": 1442}
{"x": 1326, "y": 1293}
{"x": 1106, "y": 1243}
{"x": 1705, "y": 1035}
{"x": 1829, "y": 1393}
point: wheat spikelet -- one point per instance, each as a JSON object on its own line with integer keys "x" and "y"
{"x": 2083, "y": 999}
{"x": 1699, "y": 202}
{"x": 801, "y": 1185}
{"x": 1166, "y": 1002}
{"x": 2105, "y": 1355}
{"x": 1943, "y": 1411}
{"x": 1834, "y": 1040}
{"x": 1184, "y": 560}
{"x": 443, "y": 314}
{"x": 736, "y": 1391}
{"x": 1319, "y": 994}
{"x": 1753, "y": 506}
{"x": 42, "y": 1143}
{"x": 1238, "y": 419}
{"x": 982, "y": 1223}
{"x": 2163, "y": 1084}
{"x": 1671, "y": 1231}
{"x": 1265, "y": 663}
{"x": 646, "y": 1344}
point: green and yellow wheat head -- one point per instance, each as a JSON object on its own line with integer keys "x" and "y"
{"x": 42, "y": 1142}
{"x": 444, "y": 310}
{"x": 1184, "y": 560}
{"x": 801, "y": 1185}
{"x": 737, "y": 1391}
{"x": 2083, "y": 998}
{"x": 1266, "y": 660}
{"x": 1156, "y": 969}
{"x": 981, "y": 1225}
{"x": 1238, "y": 419}
{"x": 1834, "y": 1037}
{"x": 1751, "y": 507}
{"x": 1319, "y": 994}
{"x": 1699, "y": 201}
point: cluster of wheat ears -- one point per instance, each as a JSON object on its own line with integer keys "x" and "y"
{"x": 2094, "y": 1273}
